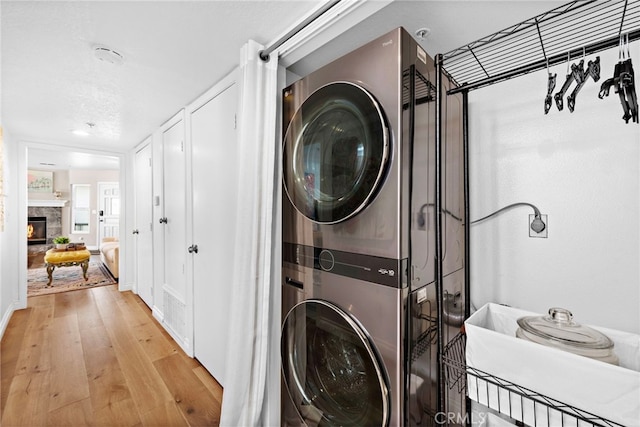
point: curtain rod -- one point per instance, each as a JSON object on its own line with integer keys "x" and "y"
{"x": 264, "y": 54}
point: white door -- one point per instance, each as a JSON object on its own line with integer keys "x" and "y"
{"x": 108, "y": 210}
{"x": 173, "y": 222}
{"x": 214, "y": 162}
{"x": 143, "y": 229}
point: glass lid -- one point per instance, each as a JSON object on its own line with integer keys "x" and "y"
{"x": 559, "y": 328}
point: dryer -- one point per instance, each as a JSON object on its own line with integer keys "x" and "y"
{"x": 358, "y": 232}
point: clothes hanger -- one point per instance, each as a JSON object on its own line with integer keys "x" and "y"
{"x": 576, "y": 73}
{"x": 623, "y": 81}
{"x": 551, "y": 85}
{"x": 592, "y": 70}
{"x": 620, "y": 83}
{"x": 613, "y": 81}
{"x": 627, "y": 86}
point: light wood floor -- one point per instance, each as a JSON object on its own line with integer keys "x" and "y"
{"x": 97, "y": 357}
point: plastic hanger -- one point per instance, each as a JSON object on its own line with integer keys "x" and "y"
{"x": 623, "y": 81}
{"x": 627, "y": 86}
{"x": 593, "y": 71}
{"x": 551, "y": 85}
{"x": 571, "y": 77}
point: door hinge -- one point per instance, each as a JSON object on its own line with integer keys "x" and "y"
{"x": 182, "y": 146}
{"x": 235, "y": 121}
{"x": 149, "y": 161}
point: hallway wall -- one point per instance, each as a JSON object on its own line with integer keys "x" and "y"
{"x": 9, "y": 280}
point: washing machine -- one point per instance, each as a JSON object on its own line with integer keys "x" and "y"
{"x": 358, "y": 232}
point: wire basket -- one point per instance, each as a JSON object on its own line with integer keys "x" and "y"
{"x": 454, "y": 362}
{"x": 523, "y": 405}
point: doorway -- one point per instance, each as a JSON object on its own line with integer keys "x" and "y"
{"x": 73, "y": 174}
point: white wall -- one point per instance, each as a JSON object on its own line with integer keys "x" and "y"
{"x": 582, "y": 170}
{"x": 9, "y": 289}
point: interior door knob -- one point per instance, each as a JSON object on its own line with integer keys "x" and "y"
{"x": 193, "y": 249}
{"x": 163, "y": 220}
{"x": 136, "y": 232}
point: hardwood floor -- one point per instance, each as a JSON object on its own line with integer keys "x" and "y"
{"x": 97, "y": 357}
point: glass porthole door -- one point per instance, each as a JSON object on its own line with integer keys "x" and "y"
{"x": 331, "y": 369}
{"x": 335, "y": 153}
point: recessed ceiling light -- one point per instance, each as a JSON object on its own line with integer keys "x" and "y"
{"x": 82, "y": 132}
{"x": 106, "y": 54}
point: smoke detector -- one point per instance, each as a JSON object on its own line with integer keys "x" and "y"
{"x": 106, "y": 54}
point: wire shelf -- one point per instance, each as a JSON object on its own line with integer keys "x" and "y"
{"x": 573, "y": 30}
{"x": 519, "y": 403}
{"x": 425, "y": 90}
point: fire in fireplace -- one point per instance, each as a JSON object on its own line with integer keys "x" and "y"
{"x": 37, "y": 230}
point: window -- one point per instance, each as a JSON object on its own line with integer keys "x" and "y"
{"x": 80, "y": 199}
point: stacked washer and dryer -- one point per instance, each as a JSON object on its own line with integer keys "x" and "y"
{"x": 359, "y": 303}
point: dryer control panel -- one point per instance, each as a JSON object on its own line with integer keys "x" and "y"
{"x": 368, "y": 268}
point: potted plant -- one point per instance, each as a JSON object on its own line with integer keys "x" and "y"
{"x": 61, "y": 242}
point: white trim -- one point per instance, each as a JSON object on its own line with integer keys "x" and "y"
{"x": 7, "y": 317}
{"x": 57, "y": 203}
{"x": 21, "y": 189}
{"x": 328, "y": 26}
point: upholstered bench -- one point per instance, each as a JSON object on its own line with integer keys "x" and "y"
{"x": 54, "y": 258}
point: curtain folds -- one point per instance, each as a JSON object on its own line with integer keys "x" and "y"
{"x": 250, "y": 322}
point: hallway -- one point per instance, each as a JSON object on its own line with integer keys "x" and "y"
{"x": 98, "y": 357}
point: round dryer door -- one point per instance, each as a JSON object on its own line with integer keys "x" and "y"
{"x": 331, "y": 369}
{"x": 335, "y": 154}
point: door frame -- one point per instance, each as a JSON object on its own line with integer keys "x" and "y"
{"x": 146, "y": 144}
{"x": 22, "y": 200}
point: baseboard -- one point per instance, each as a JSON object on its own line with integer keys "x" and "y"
{"x": 181, "y": 341}
{"x": 125, "y": 286}
{"x": 7, "y": 316}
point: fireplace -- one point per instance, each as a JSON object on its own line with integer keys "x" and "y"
{"x": 37, "y": 230}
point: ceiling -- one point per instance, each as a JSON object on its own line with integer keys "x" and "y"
{"x": 173, "y": 51}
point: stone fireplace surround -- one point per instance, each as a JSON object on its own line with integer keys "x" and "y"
{"x": 54, "y": 225}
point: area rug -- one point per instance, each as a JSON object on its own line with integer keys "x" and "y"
{"x": 67, "y": 279}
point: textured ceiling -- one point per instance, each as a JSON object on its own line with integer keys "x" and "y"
{"x": 174, "y": 51}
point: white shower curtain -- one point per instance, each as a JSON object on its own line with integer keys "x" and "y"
{"x": 248, "y": 351}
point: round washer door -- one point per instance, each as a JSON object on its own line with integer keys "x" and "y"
{"x": 335, "y": 153}
{"x": 331, "y": 370}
